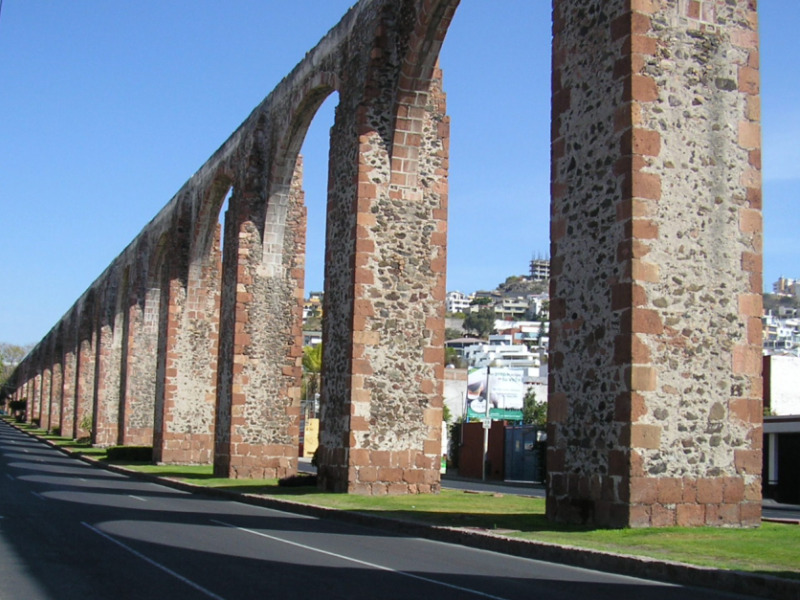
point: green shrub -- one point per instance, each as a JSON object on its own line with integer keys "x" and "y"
{"x": 299, "y": 480}
{"x": 130, "y": 453}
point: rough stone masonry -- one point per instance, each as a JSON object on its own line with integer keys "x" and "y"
{"x": 655, "y": 384}
{"x": 655, "y": 404}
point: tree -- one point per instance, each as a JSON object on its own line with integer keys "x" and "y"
{"x": 451, "y": 357}
{"x": 481, "y": 322}
{"x": 312, "y": 367}
{"x": 483, "y": 301}
{"x": 10, "y": 356}
{"x": 534, "y": 412}
{"x": 452, "y": 334}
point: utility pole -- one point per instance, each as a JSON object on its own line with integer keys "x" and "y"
{"x": 487, "y": 425}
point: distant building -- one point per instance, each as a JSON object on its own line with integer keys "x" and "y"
{"x": 511, "y": 309}
{"x": 785, "y": 287}
{"x": 540, "y": 269}
{"x": 501, "y": 350}
{"x": 312, "y": 307}
{"x": 456, "y": 302}
{"x": 781, "y": 334}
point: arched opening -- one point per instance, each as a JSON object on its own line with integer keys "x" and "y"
{"x": 315, "y": 155}
{"x": 499, "y": 203}
{"x": 191, "y": 298}
{"x": 395, "y": 264}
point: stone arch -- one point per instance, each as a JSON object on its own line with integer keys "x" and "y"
{"x": 204, "y": 230}
{"x": 155, "y": 316}
{"x": 109, "y": 328}
{"x": 386, "y": 268}
{"x": 137, "y": 387}
{"x": 264, "y": 255}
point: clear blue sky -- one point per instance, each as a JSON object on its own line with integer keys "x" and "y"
{"x": 107, "y": 108}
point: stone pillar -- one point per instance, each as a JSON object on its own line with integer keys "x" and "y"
{"x": 35, "y": 399}
{"x": 185, "y": 425}
{"x": 57, "y": 389}
{"x": 655, "y": 383}
{"x": 258, "y": 410}
{"x": 383, "y": 330}
{"x": 47, "y": 387}
{"x": 108, "y": 369}
{"x": 85, "y": 369}
{"x": 69, "y": 390}
{"x": 141, "y": 348}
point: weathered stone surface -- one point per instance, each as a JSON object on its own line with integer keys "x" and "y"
{"x": 667, "y": 106}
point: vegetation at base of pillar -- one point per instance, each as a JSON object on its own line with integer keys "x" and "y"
{"x": 480, "y": 322}
{"x": 534, "y": 412}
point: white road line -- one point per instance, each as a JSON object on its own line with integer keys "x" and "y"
{"x": 137, "y": 498}
{"x": 167, "y": 570}
{"x": 38, "y": 495}
{"x": 360, "y": 562}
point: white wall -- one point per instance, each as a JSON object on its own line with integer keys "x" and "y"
{"x": 785, "y": 385}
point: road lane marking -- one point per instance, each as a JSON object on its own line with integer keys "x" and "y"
{"x": 38, "y": 495}
{"x": 358, "y": 561}
{"x": 167, "y": 570}
{"x": 137, "y": 498}
{"x": 10, "y": 476}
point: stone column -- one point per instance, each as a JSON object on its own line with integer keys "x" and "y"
{"x": 258, "y": 409}
{"x": 141, "y": 348}
{"x": 57, "y": 389}
{"x": 655, "y": 383}
{"x": 68, "y": 393}
{"x": 383, "y": 330}
{"x": 35, "y": 399}
{"x": 185, "y": 425}
{"x": 47, "y": 386}
{"x": 108, "y": 369}
{"x": 86, "y": 372}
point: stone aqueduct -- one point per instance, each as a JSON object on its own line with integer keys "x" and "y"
{"x": 655, "y": 385}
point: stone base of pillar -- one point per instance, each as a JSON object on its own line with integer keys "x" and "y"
{"x": 654, "y": 501}
{"x": 186, "y": 449}
{"x": 139, "y": 436}
{"x": 381, "y": 473}
{"x": 253, "y": 461}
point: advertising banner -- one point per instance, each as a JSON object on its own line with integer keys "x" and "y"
{"x": 502, "y": 386}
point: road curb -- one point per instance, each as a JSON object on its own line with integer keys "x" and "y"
{"x": 759, "y": 585}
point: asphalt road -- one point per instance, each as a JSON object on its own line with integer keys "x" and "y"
{"x": 72, "y": 531}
